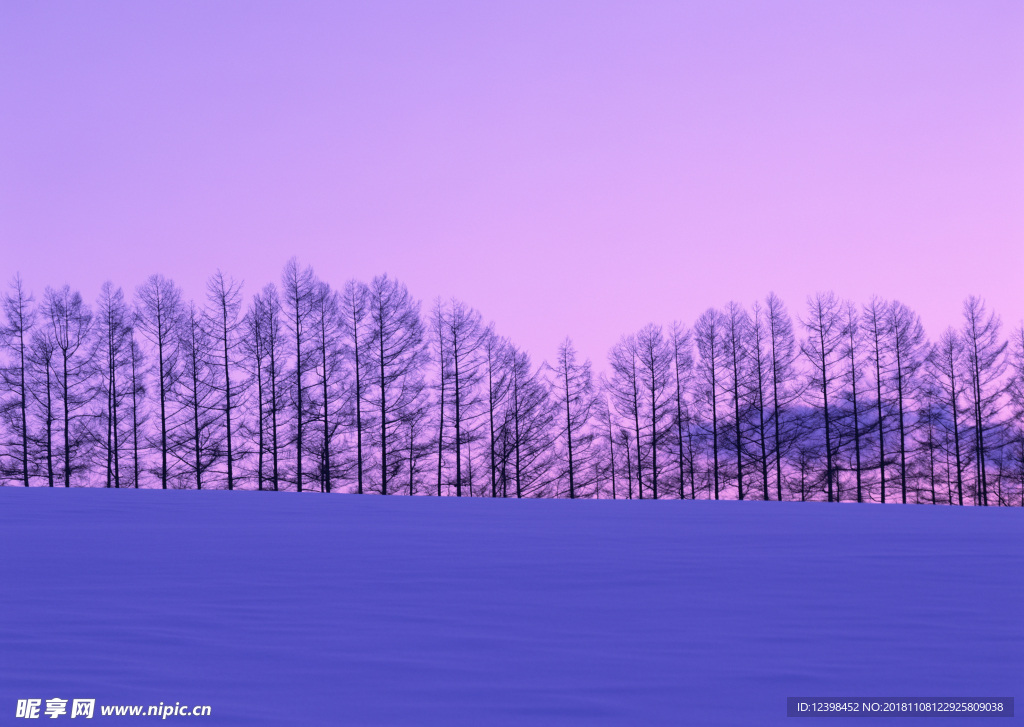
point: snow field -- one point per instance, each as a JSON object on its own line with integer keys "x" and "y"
{"x": 285, "y": 609}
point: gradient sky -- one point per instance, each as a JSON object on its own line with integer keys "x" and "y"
{"x": 576, "y": 168}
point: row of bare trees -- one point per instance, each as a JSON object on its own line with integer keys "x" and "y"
{"x": 354, "y": 389}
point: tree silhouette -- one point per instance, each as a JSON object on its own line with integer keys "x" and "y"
{"x": 159, "y": 319}
{"x": 355, "y": 390}
{"x": 15, "y": 338}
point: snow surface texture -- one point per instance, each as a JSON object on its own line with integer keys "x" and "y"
{"x": 283, "y": 609}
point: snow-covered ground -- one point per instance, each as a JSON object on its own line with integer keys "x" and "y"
{"x": 284, "y": 609}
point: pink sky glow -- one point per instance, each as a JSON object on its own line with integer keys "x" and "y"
{"x": 575, "y": 168}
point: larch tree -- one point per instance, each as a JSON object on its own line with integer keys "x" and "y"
{"x": 138, "y": 371}
{"x": 225, "y": 297}
{"x": 760, "y": 387}
{"x": 1015, "y": 390}
{"x": 735, "y": 340}
{"x": 328, "y": 368}
{"x": 785, "y": 377}
{"x": 464, "y": 334}
{"x": 253, "y": 362}
{"x": 625, "y": 393}
{"x": 497, "y": 353}
{"x": 323, "y": 389}
{"x": 396, "y": 358}
{"x": 681, "y": 346}
{"x": 907, "y": 352}
{"x": 355, "y": 316}
{"x": 298, "y": 286}
{"x": 197, "y": 435}
{"x": 929, "y": 415}
{"x": 267, "y": 362}
{"x": 1015, "y": 387}
{"x": 946, "y": 365}
{"x": 42, "y": 380}
{"x": 876, "y": 324}
{"x": 853, "y": 364}
{"x": 15, "y": 338}
{"x": 572, "y": 392}
{"x": 825, "y": 334}
{"x": 654, "y": 356}
{"x": 113, "y": 348}
{"x": 985, "y": 355}
{"x": 441, "y": 353}
{"x": 708, "y": 333}
{"x": 159, "y": 320}
{"x": 71, "y": 324}
{"x": 528, "y": 422}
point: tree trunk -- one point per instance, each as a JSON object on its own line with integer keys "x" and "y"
{"x": 568, "y": 429}
{"x": 227, "y": 398}
{"x": 383, "y": 414}
{"x": 824, "y": 395}
{"x": 163, "y": 403}
{"x": 67, "y": 422}
{"x": 273, "y": 414}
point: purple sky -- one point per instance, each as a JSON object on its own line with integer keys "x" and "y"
{"x": 567, "y": 168}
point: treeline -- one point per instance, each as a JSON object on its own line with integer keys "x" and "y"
{"x": 358, "y": 389}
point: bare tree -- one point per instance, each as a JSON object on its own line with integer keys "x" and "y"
{"x": 760, "y": 381}
{"x": 736, "y": 333}
{"x": 42, "y": 389}
{"x": 439, "y": 322}
{"x": 986, "y": 363}
{"x": 112, "y": 346}
{"x": 784, "y": 377}
{"x": 15, "y": 337}
{"x": 265, "y": 345}
{"x": 464, "y": 335}
{"x": 528, "y": 423}
{"x": 1015, "y": 388}
{"x": 225, "y": 296}
{"x": 945, "y": 363}
{"x": 681, "y": 346}
{"x": 852, "y": 376}
{"x": 1016, "y": 395}
{"x": 341, "y": 377}
{"x": 573, "y": 395}
{"x": 138, "y": 371}
{"x": 354, "y": 314}
{"x": 396, "y": 357}
{"x": 196, "y": 437}
{"x": 298, "y": 286}
{"x": 159, "y": 320}
{"x": 929, "y": 417}
{"x": 625, "y": 394}
{"x": 708, "y": 334}
{"x": 907, "y": 351}
{"x": 71, "y": 323}
{"x": 328, "y": 364}
{"x": 254, "y": 360}
{"x": 826, "y": 331}
{"x": 876, "y": 321}
{"x": 498, "y": 361}
{"x": 655, "y": 373}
